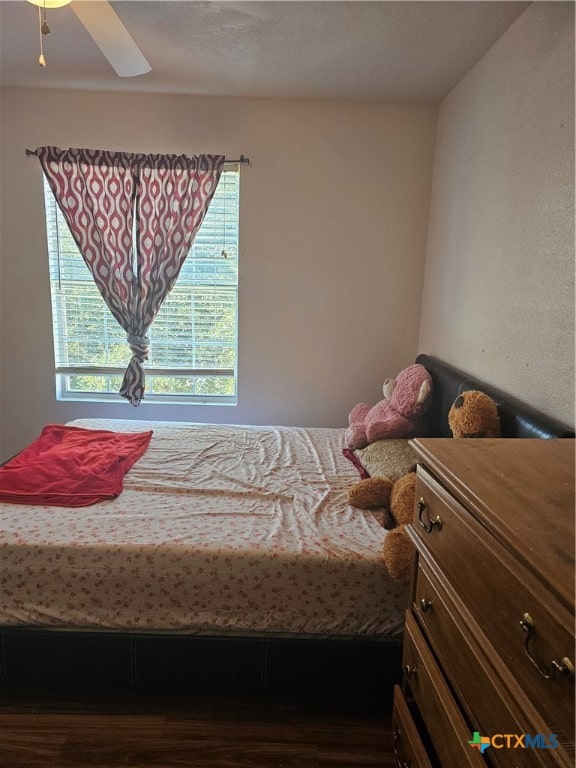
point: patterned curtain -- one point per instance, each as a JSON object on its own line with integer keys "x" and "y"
{"x": 101, "y": 195}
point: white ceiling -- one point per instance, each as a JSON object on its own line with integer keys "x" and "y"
{"x": 391, "y": 51}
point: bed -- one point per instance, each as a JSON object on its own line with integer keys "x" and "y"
{"x": 231, "y": 557}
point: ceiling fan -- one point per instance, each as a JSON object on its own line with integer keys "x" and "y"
{"x": 111, "y": 36}
{"x": 106, "y": 29}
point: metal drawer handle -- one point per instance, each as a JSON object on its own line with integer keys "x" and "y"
{"x": 425, "y": 604}
{"x": 428, "y": 525}
{"x": 410, "y": 670}
{"x": 396, "y": 743}
{"x": 565, "y": 666}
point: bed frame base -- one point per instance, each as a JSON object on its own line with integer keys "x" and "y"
{"x": 60, "y": 660}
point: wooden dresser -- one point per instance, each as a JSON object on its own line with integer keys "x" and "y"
{"x": 489, "y": 639}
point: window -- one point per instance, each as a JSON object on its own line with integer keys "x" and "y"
{"x": 193, "y": 353}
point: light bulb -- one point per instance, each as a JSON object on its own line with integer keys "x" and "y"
{"x": 50, "y": 3}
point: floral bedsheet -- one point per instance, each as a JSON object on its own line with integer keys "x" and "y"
{"x": 219, "y": 528}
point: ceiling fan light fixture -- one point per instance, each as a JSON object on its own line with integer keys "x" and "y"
{"x": 50, "y": 3}
{"x": 106, "y": 29}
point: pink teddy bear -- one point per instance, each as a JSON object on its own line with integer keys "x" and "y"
{"x": 399, "y": 415}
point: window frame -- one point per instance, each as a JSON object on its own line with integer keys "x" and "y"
{"x": 63, "y": 372}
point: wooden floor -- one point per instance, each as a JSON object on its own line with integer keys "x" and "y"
{"x": 151, "y": 730}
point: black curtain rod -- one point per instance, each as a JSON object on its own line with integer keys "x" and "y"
{"x": 242, "y": 161}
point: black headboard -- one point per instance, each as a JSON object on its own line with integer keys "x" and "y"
{"x": 516, "y": 418}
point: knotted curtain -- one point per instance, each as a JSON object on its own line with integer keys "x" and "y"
{"x": 134, "y": 218}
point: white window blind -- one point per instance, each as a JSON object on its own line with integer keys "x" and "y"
{"x": 193, "y": 354}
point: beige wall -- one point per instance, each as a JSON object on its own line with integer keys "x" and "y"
{"x": 334, "y": 214}
{"x": 499, "y": 284}
{"x": 334, "y": 217}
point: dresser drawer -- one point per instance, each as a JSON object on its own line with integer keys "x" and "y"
{"x": 459, "y": 647}
{"x": 408, "y": 747}
{"x": 499, "y": 592}
{"x": 445, "y": 724}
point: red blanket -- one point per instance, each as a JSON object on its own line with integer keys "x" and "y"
{"x": 71, "y": 467}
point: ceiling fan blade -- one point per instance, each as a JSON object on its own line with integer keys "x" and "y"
{"x": 111, "y": 36}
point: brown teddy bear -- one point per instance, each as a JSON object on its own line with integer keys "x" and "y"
{"x": 398, "y": 549}
{"x": 474, "y": 414}
{"x": 397, "y": 499}
{"x": 371, "y": 493}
